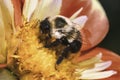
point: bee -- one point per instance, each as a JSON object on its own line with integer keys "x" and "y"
{"x": 65, "y": 32}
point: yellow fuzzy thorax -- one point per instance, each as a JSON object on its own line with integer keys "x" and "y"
{"x": 31, "y": 61}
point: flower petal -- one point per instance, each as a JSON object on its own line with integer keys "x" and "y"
{"x": 107, "y": 55}
{"x": 44, "y": 8}
{"x": 7, "y": 13}
{"x": 17, "y": 4}
{"x": 9, "y": 6}
{"x": 6, "y": 29}
{"x": 98, "y": 67}
{"x": 91, "y": 61}
{"x": 103, "y": 65}
{"x": 98, "y": 75}
{"x": 73, "y": 6}
{"x": 29, "y": 7}
{"x": 2, "y": 40}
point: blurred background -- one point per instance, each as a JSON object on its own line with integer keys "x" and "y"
{"x": 112, "y": 40}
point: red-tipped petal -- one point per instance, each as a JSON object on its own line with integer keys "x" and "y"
{"x": 97, "y": 25}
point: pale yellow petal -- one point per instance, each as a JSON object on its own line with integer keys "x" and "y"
{"x": 2, "y": 41}
{"x": 98, "y": 75}
{"x": 46, "y": 8}
{"x": 6, "y": 28}
{"x": 9, "y": 6}
{"x": 7, "y": 18}
{"x": 98, "y": 67}
{"x": 29, "y": 7}
{"x": 90, "y": 62}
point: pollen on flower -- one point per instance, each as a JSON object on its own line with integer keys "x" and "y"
{"x": 34, "y": 62}
{"x": 31, "y": 58}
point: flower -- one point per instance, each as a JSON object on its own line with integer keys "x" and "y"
{"x": 20, "y": 44}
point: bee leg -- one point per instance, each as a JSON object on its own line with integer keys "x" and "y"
{"x": 64, "y": 54}
{"x": 71, "y": 47}
{"x": 55, "y": 43}
{"x": 47, "y": 39}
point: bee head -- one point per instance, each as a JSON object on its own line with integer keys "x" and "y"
{"x": 45, "y": 26}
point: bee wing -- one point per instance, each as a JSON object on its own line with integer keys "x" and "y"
{"x": 80, "y": 22}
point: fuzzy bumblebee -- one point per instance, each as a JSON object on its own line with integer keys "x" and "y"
{"x": 64, "y": 31}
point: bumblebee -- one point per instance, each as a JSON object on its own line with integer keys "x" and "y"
{"x": 65, "y": 33}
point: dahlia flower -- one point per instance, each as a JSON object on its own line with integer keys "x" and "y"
{"x": 24, "y": 57}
